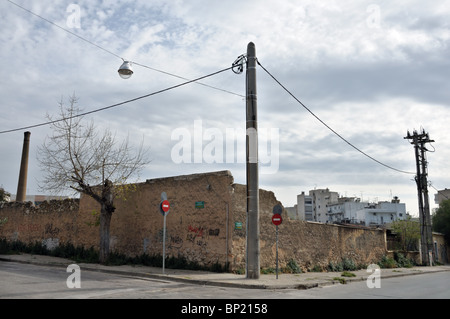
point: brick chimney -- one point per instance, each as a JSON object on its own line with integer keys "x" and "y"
{"x": 22, "y": 187}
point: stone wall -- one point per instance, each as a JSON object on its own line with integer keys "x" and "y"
{"x": 309, "y": 244}
{"x": 206, "y": 224}
{"x": 197, "y": 232}
{"x": 50, "y": 223}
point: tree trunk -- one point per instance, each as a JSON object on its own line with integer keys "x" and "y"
{"x": 107, "y": 209}
{"x": 105, "y": 223}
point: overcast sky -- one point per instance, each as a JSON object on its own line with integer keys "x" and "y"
{"x": 371, "y": 70}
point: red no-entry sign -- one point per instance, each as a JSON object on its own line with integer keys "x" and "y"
{"x": 165, "y": 206}
{"x": 276, "y": 219}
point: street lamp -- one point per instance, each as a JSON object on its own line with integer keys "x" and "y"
{"x": 125, "y": 70}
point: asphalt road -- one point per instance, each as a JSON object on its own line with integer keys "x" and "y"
{"x": 26, "y": 281}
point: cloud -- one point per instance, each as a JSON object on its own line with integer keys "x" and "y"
{"x": 370, "y": 71}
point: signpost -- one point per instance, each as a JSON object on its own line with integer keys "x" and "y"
{"x": 164, "y": 208}
{"x": 277, "y": 220}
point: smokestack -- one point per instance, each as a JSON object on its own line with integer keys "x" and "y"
{"x": 22, "y": 187}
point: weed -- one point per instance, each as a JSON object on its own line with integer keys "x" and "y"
{"x": 348, "y": 274}
{"x": 341, "y": 280}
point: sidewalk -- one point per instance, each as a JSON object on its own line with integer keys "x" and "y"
{"x": 284, "y": 281}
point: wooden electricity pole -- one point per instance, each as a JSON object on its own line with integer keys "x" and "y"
{"x": 253, "y": 248}
{"x": 426, "y": 238}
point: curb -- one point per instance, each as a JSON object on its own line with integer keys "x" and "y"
{"x": 217, "y": 282}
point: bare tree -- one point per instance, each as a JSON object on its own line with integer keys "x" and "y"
{"x": 77, "y": 156}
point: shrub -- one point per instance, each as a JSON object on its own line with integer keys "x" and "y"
{"x": 345, "y": 264}
{"x": 4, "y": 247}
{"x": 81, "y": 254}
{"x": 335, "y": 267}
{"x": 349, "y": 264}
{"x": 402, "y": 261}
{"x": 316, "y": 268}
{"x": 387, "y": 262}
{"x": 269, "y": 270}
{"x": 292, "y": 267}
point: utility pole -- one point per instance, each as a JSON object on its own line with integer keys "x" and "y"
{"x": 426, "y": 238}
{"x": 253, "y": 248}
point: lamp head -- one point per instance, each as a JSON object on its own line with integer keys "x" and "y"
{"x": 125, "y": 70}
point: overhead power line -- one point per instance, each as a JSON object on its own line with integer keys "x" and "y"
{"x": 187, "y": 82}
{"x": 118, "y": 104}
{"x": 118, "y": 56}
{"x": 328, "y": 127}
{"x": 64, "y": 29}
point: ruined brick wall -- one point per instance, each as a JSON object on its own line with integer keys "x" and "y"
{"x": 197, "y": 226}
{"x": 197, "y": 232}
{"x": 49, "y": 223}
{"x": 309, "y": 244}
{"x": 239, "y": 223}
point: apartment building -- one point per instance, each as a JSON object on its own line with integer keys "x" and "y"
{"x": 353, "y": 211}
{"x": 313, "y": 207}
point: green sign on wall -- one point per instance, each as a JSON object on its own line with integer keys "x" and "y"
{"x": 238, "y": 225}
{"x": 200, "y": 204}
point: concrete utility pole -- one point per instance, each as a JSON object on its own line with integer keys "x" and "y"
{"x": 426, "y": 236}
{"x": 253, "y": 254}
{"x": 22, "y": 185}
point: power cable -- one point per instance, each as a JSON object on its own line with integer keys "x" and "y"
{"x": 117, "y": 56}
{"x": 328, "y": 127}
{"x": 188, "y": 81}
{"x": 64, "y": 29}
{"x": 431, "y": 184}
{"x": 121, "y": 103}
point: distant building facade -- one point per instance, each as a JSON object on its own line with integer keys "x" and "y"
{"x": 325, "y": 206}
{"x": 353, "y": 211}
{"x": 441, "y": 196}
{"x": 313, "y": 207}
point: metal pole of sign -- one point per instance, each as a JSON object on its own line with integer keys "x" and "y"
{"x": 277, "y": 220}
{"x": 164, "y": 208}
{"x": 164, "y": 245}
{"x": 276, "y": 249}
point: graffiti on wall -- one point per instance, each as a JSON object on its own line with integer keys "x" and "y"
{"x": 52, "y": 231}
{"x": 28, "y": 227}
{"x": 199, "y": 235}
{"x": 49, "y": 229}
